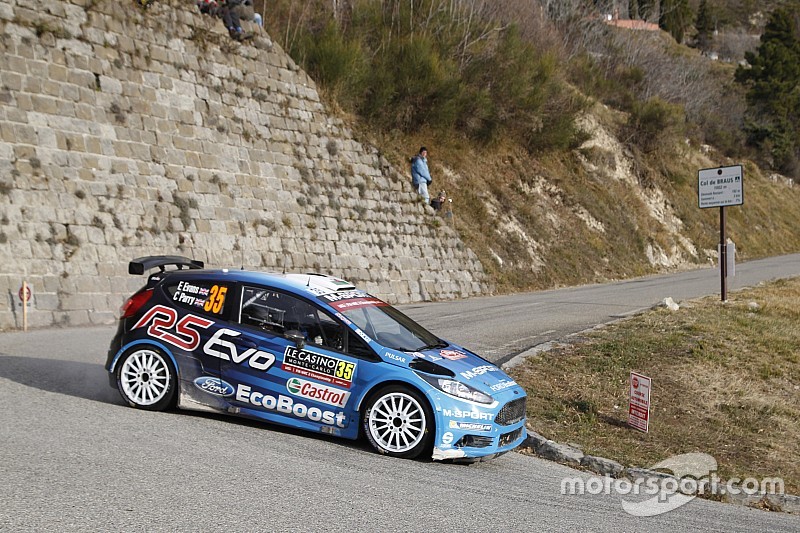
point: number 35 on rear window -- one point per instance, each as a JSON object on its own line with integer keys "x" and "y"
{"x": 215, "y": 300}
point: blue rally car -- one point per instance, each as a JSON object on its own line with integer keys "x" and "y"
{"x": 308, "y": 351}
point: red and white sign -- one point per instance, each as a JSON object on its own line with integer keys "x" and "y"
{"x": 355, "y": 303}
{"x": 639, "y": 405}
{"x": 317, "y": 392}
{"x": 25, "y": 293}
{"x": 452, "y": 355}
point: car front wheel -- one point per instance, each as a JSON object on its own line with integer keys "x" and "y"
{"x": 146, "y": 379}
{"x": 398, "y": 422}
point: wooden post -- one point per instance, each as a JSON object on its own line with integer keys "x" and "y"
{"x": 24, "y": 306}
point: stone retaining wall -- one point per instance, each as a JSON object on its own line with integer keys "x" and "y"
{"x": 126, "y": 132}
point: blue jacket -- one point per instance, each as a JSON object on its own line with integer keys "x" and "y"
{"x": 419, "y": 170}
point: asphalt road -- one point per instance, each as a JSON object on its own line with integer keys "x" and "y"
{"x": 501, "y": 327}
{"x": 75, "y": 459}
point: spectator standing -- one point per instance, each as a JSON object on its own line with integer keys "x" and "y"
{"x": 420, "y": 175}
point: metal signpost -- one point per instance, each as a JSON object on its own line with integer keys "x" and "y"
{"x": 721, "y": 187}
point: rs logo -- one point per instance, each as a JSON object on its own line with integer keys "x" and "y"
{"x": 258, "y": 360}
{"x": 162, "y": 319}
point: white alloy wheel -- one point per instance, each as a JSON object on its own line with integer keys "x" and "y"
{"x": 396, "y": 423}
{"x": 145, "y": 378}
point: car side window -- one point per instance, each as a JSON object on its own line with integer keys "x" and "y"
{"x": 359, "y": 348}
{"x": 263, "y": 309}
{"x": 280, "y": 313}
{"x": 201, "y": 296}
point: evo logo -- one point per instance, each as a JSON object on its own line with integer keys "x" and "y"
{"x": 227, "y": 351}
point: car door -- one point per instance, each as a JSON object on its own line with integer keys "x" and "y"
{"x": 200, "y": 308}
{"x": 286, "y": 362}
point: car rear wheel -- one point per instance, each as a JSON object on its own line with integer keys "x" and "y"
{"x": 146, "y": 379}
{"x": 398, "y": 422}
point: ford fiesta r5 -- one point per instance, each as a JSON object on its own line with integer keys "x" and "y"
{"x": 307, "y": 351}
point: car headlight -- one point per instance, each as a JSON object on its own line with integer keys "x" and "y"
{"x": 457, "y": 389}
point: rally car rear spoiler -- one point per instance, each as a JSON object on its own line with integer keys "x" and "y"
{"x": 139, "y": 266}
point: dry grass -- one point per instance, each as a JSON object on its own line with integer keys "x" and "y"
{"x": 518, "y": 212}
{"x": 726, "y": 381}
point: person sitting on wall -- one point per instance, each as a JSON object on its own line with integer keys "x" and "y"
{"x": 438, "y": 202}
{"x": 231, "y": 12}
{"x": 208, "y": 7}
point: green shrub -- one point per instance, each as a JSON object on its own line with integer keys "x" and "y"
{"x": 655, "y": 124}
{"x": 333, "y": 60}
{"x": 412, "y": 66}
{"x": 614, "y": 85}
{"x": 413, "y": 86}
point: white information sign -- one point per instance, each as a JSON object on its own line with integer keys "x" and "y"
{"x": 720, "y": 187}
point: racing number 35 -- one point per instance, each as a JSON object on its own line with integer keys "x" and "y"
{"x": 216, "y": 298}
{"x": 344, "y": 370}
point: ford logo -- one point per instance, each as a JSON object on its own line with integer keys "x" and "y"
{"x": 214, "y": 386}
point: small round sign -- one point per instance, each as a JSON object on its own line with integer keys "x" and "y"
{"x": 25, "y": 295}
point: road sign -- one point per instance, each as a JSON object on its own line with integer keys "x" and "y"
{"x": 639, "y": 403}
{"x": 25, "y": 293}
{"x": 720, "y": 187}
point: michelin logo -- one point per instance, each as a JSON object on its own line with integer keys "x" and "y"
{"x": 470, "y": 426}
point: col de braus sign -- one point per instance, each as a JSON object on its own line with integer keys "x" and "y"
{"x": 720, "y": 187}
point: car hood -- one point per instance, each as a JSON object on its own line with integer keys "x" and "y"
{"x": 464, "y": 365}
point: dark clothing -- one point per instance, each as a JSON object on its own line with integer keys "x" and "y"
{"x": 230, "y": 17}
{"x": 208, "y": 7}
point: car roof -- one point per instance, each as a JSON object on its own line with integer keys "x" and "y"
{"x": 311, "y": 284}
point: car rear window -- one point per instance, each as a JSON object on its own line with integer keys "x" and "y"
{"x": 201, "y": 296}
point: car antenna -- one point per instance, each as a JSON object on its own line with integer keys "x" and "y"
{"x": 242, "y": 250}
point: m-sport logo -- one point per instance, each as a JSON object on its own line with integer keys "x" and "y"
{"x": 317, "y": 392}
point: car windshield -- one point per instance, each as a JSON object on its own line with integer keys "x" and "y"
{"x": 391, "y": 328}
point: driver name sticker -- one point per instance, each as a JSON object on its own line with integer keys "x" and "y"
{"x": 209, "y": 299}
{"x": 318, "y": 366}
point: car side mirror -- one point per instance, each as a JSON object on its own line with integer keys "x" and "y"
{"x": 296, "y": 337}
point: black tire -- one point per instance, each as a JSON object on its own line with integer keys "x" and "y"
{"x": 146, "y": 379}
{"x": 398, "y": 421}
